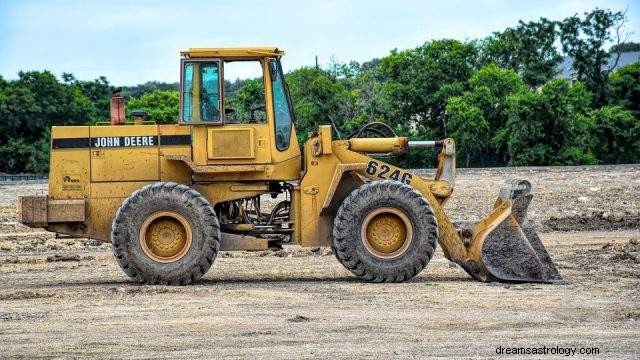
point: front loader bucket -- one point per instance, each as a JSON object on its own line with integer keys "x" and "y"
{"x": 507, "y": 246}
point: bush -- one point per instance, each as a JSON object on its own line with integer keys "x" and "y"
{"x": 161, "y": 106}
{"x": 615, "y": 135}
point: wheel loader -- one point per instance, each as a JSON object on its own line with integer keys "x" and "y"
{"x": 231, "y": 176}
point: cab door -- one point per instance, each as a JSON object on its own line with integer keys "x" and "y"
{"x": 233, "y": 111}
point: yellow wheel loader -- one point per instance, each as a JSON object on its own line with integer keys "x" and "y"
{"x": 230, "y": 176}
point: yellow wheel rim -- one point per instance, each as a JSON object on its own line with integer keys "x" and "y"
{"x": 165, "y": 236}
{"x": 386, "y": 232}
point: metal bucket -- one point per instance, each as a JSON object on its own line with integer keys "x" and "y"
{"x": 508, "y": 247}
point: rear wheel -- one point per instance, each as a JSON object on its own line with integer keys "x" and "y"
{"x": 165, "y": 233}
{"x": 385, "y": 231}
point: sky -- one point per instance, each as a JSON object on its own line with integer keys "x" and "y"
{"x": 131, "y": 42}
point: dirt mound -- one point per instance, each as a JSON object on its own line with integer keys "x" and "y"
{"x": 613, "y": 260}
{"x": 63, "y": 257}
{"x": 628, "y": 252}
{"x": 25, "y": 295}
{"x": 9, "y": 223}
{"x": 593, "y": 220}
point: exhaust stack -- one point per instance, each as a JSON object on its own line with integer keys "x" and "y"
{"x": 117, "y": 108}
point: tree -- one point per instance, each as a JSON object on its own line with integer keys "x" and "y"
{"x": 545, "y": 127}
{"x": 161, "y": 106}
{"x": 318, "y": 98}
{"x": 97, "y": 91}
{"x": 615, "y": 135}
{"x": 372, "y": 101}
{"x": 624, "y": 87}
{"x": 420, "y": 80}
{"x": 470, "y": 129}
{"x": 583, "y": 39}
{"x": 150, "y": 86}
{"x": 246, "y": 98}
{"x": 475, "y": 117}
{"x": 29, "y": 106}
{"x": 529, "y": 49}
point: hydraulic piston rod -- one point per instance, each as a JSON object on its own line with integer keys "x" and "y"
{"x": 422, "y": 144}
{"x": 397, "y": 145}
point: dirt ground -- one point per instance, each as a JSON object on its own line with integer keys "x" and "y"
{"x": 64, "y": 298}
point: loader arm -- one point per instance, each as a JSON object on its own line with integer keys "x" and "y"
{"x": 436, "y": 192}
{"x": 503, "y": 246}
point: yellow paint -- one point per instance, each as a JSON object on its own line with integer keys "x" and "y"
{"x": 231, "y": 144}
{"x": 132, "y": 163}
{"x": 293, "y": 152}
{"x": 172, "y": 170}
{"x": 232, "y": 53}
{"x": 226, "y": 162}
{"x": 115, "y": 189}
{"x": 217, "y": 192}
{"x": 325, "y": 139}
{"x": 69, "y": 168}
{"x": 378, "y": 145}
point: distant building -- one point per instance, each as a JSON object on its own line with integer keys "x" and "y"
{"x": 626, "y": 58}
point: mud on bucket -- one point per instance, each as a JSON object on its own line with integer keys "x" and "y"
{"x": 512, "y": 251}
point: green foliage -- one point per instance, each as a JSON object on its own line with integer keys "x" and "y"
{"x": 97, "y": 91}
{"x": 529, "y": 49}
{"x": 481, "y": 112}
{"x": 542, "y": 127}
{"x": 615, "y": 135}
{"x": 247, "y": 100}
{"x": 150, "y": 86}
{"x": 28, "y": 108}
{"x": 319, "y": 98}
{"x": 625, "y": 47}
{"x": 161, "y": 106}
{"x": 624, "y": 87}
{"x": 499, "y": 98}
{"x": 470, "y": 129}
{"x": 583, "y": 39}
{"x": 19, "y": 156}
{"x": 420, "y": 80}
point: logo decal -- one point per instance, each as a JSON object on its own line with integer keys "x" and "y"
{"x": 124, "y": 141}
{"x": 69, "y": 179}
{"x": 71, "y": 183}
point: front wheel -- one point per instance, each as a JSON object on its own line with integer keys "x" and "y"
{"x": 385, "y": 231}
{"x": 165, "y": 233}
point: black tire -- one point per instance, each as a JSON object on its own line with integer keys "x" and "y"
{"x": 150, "y": 200}
{"x": 350, "y": 250}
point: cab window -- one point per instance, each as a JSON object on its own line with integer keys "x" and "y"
{"x": 244, "y": 99}
{"x": 200, "y": 92}
{"x": 281, "y": 108}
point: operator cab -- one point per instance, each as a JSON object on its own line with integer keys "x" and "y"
{"x": 237, "y": 101}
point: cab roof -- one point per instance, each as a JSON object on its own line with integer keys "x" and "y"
{"x": 238, "y": 52}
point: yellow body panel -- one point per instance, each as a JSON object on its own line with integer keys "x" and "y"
{"x": 315, "y": 228}
{"x": 238, "y": 144}
{"x": 137, "y": 160}
{"x": 232, "y": 144}
{"x": 69, "y": 167}
{"x": 172, "y": 170}
{"x": 105, "y": 200}
{"x": 235, "y": 53}
{"x": 219, "y": 192}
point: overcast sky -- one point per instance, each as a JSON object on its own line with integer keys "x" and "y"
{"x": 135, "y": 42}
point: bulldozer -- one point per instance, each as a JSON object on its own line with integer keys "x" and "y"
{"x": 231, "y": 176}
